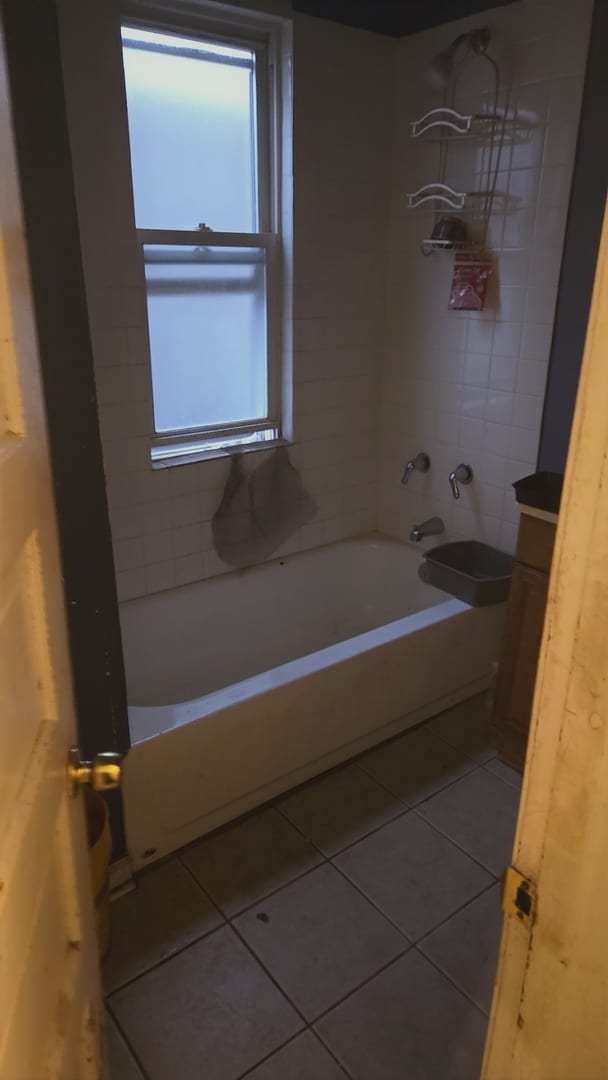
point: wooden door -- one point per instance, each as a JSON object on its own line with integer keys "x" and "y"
{"x": 50, "y": 1000}
{"x": 548, "y": 1019}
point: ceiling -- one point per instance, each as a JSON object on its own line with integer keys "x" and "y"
{"x": 394, "y": 17}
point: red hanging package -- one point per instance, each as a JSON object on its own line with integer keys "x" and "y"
{"x": 469, "y": 282}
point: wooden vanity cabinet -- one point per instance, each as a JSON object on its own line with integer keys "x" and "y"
{"x": 521, "y": 643}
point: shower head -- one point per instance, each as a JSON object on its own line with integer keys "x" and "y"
{"x": 441, "y": 67}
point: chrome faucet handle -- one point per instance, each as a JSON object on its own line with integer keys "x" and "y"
{"x": 462, "y": 474}
{"x": 421, "y": 463}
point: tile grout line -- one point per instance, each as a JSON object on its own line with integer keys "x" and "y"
{"x": 415, "y": 810}
{"x": 415, "y": 942}
{"x": 268, "y": 1057}
{"x": 509, "y": 783}
{"x": 457, "y": 911}
{"x": 376, "y": 828}
{"x": 353, "y": 884}
{"x": 298, "y": 1035}
{"x": 134, "y": 1054}
{"x": 453, "y": 982}
{"x": 460, "y": 848}
{"x": 266, "y": 896}
{"x": 448, "y": 783}
{"x": 358, "y": 987}
{"x": 228, "y": 919}
{"x": 272, "y": 978}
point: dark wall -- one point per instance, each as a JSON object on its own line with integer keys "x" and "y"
{"x": 47, "y": 190}
{"x": 585, "y": 215}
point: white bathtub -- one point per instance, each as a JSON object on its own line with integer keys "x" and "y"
{"x": 245, "y": 685}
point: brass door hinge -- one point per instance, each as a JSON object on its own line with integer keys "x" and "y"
{"x": 518, "y": 896}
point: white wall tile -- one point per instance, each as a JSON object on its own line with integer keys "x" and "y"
{"x": 499, "y": 408}
{"x": 189, "y": 568}
{"x": 498, "y": 435}
{"x": 126, "y": 522}
{"x": 536, "y": 341}
{"x": 532, "y": 377}
{"x": 528, "y": 411}
{"x": 470, "y": 435}
{"x": 507, "y": 538}
{"x": 368, "y": 307}
{"x": 130, "y": 583}
{"x": 156, "y": 516}
{"x": 507, "y": 339}
{"x": 158, "y": 547}
{"x": 474, "y": 401}
{"x": 185, "y": 510}
{"x": 187, "y": 541}
{"x": 476, "y": 369}
{"x": 128, "y": 554}
{"x": 503, "y": 373}
{"x": 160, "y": 576}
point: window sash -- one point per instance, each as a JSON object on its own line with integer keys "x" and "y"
{"x": 148, "y": 16}
{"x": 185, "y": 19}
{"x": 269, "y": 242}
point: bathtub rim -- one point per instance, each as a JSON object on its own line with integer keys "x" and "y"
{"x": 163, "y": 718}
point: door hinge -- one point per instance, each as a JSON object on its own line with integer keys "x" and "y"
{"x": 518, "y": 896}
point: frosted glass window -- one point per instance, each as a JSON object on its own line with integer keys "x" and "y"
{"x": 192, "y": 128}
{"x": 208, "y": 337}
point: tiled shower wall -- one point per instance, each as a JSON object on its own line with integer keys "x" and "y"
{"x": 367, "y": 306}
{"x": 161, "y": 519}
{"x": 469, "y": 387}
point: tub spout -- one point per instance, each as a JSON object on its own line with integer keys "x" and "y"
{"x": 432, "y": 527}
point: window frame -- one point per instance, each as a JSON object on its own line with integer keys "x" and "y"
{"x": 262, "y": 38}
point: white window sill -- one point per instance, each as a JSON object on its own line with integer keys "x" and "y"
{"x": 216, "y": 452}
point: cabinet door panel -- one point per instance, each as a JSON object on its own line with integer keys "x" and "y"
{"x": 517, "y": 675}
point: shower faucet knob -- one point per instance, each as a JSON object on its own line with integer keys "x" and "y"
{"x": 462, "y": 474}
{"x": 421, "y": 463}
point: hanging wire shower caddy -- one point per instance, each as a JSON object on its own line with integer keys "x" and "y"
{"x": 446, "y": 125}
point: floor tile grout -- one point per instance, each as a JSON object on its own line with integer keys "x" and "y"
{"x": 160, "y": 963}
{"x": 228, "y": 919}
{"x": 451, "y": 980}
{"x": 443, "y": 787}
{"x": 457, "y": 845}
{"x": 509, "y": 783}
{"x": 298, "y": 1035}
{"x": 265, "y": 896}
{"x": 264, "y": 968}
{"x": 376, "y": 828}
{"x": 131, "y": 1048}
{"x": 360, "y": 986}
{"x": 457, "y": 911}
{"x": 417, "y": 944}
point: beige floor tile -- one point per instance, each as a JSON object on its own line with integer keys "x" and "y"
{"x": 466, "y": 946}
{"x": 340, "y": 808}
{"x": 305, "y": 1058}
{"x": 164, "y": 913}
{"x": 408, "y": 1022}
{"x": 478, "y": 813}
{"x": 417, "y": 877}
{"x": 122, "y": 1063}
{"x": 251, "y": 859}
{"x": 467, "y": 727}
{"x": 209, "y": 1012}
{"x": 320, "y": 939}
{"x": 416, "y": 765}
